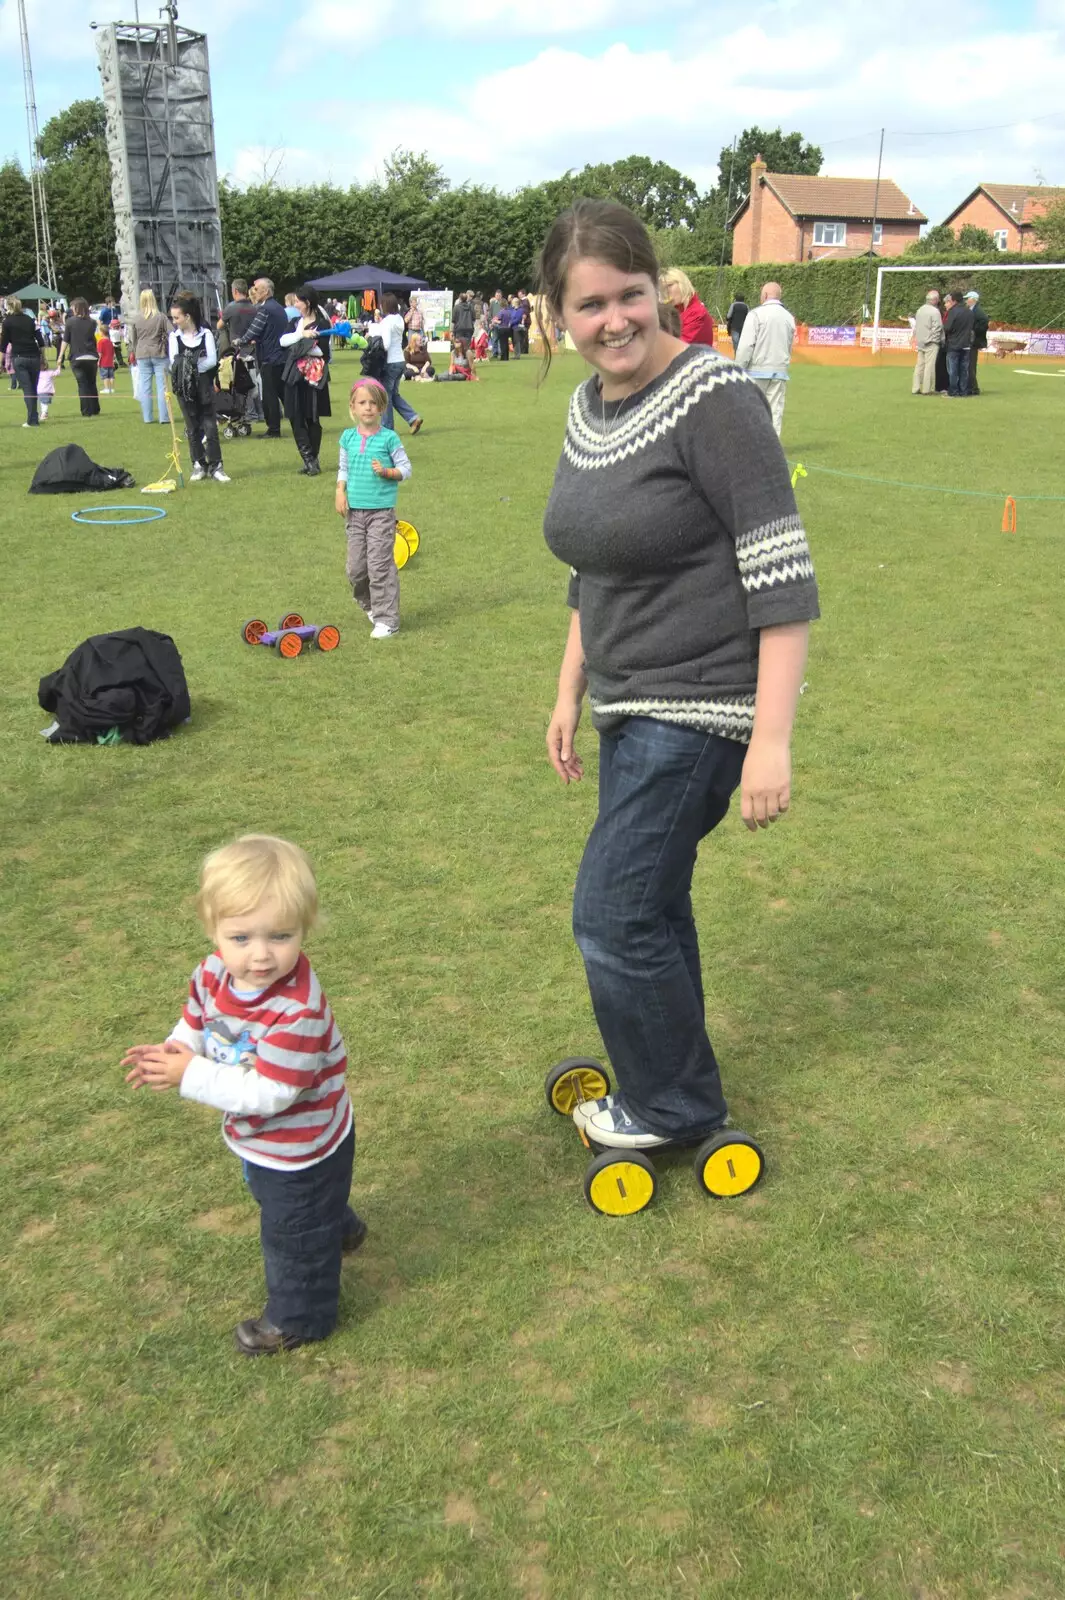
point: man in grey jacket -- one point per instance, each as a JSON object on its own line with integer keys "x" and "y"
{"x": 765, "y": 349}
{"x": 928, "y": 336}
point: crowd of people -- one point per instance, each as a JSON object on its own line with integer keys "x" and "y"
{"x": 948, "y": 344}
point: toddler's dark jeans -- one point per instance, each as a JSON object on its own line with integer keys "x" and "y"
{"x": 661, "y": 790}
{"x": 304, "y": 1216}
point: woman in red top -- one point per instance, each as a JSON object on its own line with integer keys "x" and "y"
{"x": 696, "y": 323}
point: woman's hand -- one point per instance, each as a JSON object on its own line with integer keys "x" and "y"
{"x": 765, "y": 786}
{"x": 561, "y": 732}
{"x": 160, "y": 1066}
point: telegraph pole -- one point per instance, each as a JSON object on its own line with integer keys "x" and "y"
{"x": 42, "y": 233}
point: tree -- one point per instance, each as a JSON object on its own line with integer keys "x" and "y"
{"x": 655, "y": 191}
{"x": 77, "y": 185}
{"x": 16, "y": 227}
{"x": 1049, "y": 229}
{"x": 936, "y": 243}
{"x": 416, "y": 176}
{"x": 971, "y": 238}
{"x": 781, "y": 152}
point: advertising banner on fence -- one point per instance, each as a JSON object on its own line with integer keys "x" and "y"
{"x": 889, "y": 338}
{"x": 1046, "y": 344}
{"x": 831, "y": 335}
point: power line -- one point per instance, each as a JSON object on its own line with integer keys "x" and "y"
{"x": 941, "y": 133}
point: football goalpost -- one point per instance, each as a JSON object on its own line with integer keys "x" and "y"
{"x": 961, "y": 271}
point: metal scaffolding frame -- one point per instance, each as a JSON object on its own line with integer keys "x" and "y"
{"x": 160, "y": 138}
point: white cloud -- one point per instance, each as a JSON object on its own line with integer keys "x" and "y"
{"x": 546, "y": 17}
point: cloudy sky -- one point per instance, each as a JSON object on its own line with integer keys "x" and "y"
{"x": 507, "y": 94}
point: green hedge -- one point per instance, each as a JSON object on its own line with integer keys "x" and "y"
{"x": 830, "y": 293}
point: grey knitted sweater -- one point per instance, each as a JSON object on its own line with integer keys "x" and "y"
{"x": 675, "y": 511}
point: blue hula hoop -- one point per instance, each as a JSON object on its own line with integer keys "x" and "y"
{"x": 144, "y": 514}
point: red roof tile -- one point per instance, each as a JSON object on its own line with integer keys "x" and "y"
{"x": 843, "y": 197}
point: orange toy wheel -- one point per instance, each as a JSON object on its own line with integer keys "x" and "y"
{"x": 328, "y": 637}
{"x": 290, "y": 645}
{"x": 253, "y": 630}
{"x": 291, "y": 619}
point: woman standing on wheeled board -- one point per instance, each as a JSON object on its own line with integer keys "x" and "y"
{"x": 691, "y": 592}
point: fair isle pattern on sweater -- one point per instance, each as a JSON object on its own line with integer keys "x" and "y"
{"x": 287, "y": 1035}
{"x": 593, "y": 441}
{"x": 775, "y": 554}
{"x": 684, "y": 550}
{"x": 729, "y": 719}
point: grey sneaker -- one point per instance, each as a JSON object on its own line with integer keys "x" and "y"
{"x": 587, "y": 1108}
{"x": 220, "y": 477}
{"x": 614, "y": 1129}
{"x": 197, "y": 474}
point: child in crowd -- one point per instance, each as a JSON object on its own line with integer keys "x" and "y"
{"x": 45, "y": 389}
{"x": 373, "y": 463}
{"x": 105, "y": 354}
{"x": 257, "y": 1039}
{"x": 479, "y": 343}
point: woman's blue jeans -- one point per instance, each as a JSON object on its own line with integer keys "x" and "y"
{"x": 303, "y": 1218}
{"x": 661, "y": 790}
{"x": 393, "y": 376}
{"x": 147, "y": 368}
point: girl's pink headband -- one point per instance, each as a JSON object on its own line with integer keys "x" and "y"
{"x": 369, "y": 383}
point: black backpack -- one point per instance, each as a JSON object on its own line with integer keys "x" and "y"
{"x": 374, "y": 360}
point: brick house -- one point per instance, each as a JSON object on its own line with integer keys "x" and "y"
{"x": 790, "y": 218}
{"x": 1006, "y": 210}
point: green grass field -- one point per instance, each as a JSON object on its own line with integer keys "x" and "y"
{"x": 849, "y": 1383}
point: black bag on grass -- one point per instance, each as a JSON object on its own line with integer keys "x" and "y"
{"x": 132, "y": 680}
{"x": 68, "y": 470}
{"x": 374, "y": 359}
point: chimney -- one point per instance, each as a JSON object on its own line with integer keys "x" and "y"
{"x": 758, "y": 172}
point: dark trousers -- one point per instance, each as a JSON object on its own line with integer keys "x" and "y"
{"x": 521, "y": 340}
{"x": 503, "y": 336}
{"x": 272, "y": 391}
{"x": 308, "y": 437}
{"x": 973, "y": 386}
{"x": 201, "y": 429}
{"x": 661, "y": 790}
{"x": 27, "y": 371}
{"x": 957, "y": 373}
{"x": 303, "y": 1218}
{"x": 85, "y": 378}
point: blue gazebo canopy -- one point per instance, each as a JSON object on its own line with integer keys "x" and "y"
{"x": 356, "y": 279}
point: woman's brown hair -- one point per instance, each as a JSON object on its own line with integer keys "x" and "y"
{"x": 600, "y": 230}
{"x": 79, "y": 307}
{"x": 389, "y": 305}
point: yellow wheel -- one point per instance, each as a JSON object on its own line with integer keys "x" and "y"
{"x": 573, "y": 1080}
{"x": 728, "y": 1164}
{"x": 619, "y": 1183}
{"x": 401, "y": 550}
{"x": 410, "y": 533}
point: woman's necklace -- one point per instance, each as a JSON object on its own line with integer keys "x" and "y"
{"x": 607, "y": 428}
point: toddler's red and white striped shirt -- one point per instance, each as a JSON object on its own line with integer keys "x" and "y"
{"x": 274, "y": 1063}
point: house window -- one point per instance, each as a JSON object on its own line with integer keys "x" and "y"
{"x": 830, "y": 233}
{"x": 1002, "y": 239}
{"x": 878, "y": 232}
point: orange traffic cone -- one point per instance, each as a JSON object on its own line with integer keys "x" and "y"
{"x": 1009, "y": 515}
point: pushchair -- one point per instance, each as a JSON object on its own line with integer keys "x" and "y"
{"x": 235, "y": 396}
